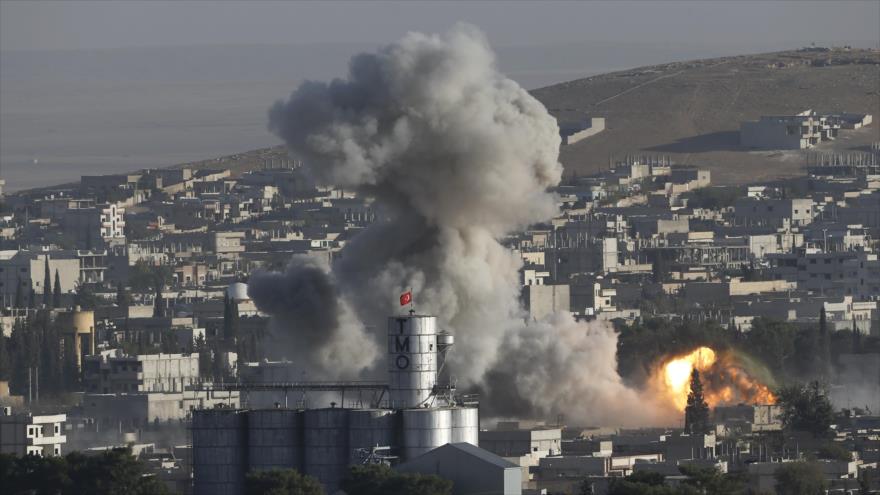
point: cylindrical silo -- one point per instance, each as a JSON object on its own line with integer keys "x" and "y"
{"x": 412, "y": 359}
{"x": 369, "y": 428}
{"x": 466, "y": 425}
{"x": 274, "y": 439}
{"x": 325, "y": 435}
{"x": 219, "y": 453}
{"x": 424, "y": 430}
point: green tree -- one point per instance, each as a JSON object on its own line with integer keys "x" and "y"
{"x": 696, "y": 413}
{"x": 834, "y": 451}
{"x": 56, "y": 292}
{"x": 281, "y": 482}
{"x": 123, "y": 297}
{"x": 806, "y": 408}
{"x": 108, "y": 473}
{"x": 47, "y": 284}
{"x": 379, "y": 479}
{"x": 799, "y": 478}
{"x": 647, "y": 483}
{"x": 711, "y": 480}
{"x": 86, "y": 298}
{"x": 144, "y": 276}
{"x": 773, "y": 342}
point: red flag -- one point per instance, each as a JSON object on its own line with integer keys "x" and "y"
{"x": 405, "y": 298}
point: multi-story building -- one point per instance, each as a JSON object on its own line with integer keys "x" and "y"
{"x": 110, "y": 372}
{"x": 28, "y": 434}
{"x": 92, "y": 227}
{"x": 774, "y": 213}
{"x": 803, "y": 130}
{"x": 838, "y": 272}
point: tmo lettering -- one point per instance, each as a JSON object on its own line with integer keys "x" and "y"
{"x": 402, "y": 362}
{"x": 400, "y": 322}
{"x": 401, "y": 345}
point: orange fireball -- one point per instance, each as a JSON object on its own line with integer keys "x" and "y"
{"x": 725, "y": 379}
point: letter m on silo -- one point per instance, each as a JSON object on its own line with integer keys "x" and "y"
{"x": 401, "y": 345}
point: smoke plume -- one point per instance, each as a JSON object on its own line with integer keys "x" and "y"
{"x": 455, "y": 156}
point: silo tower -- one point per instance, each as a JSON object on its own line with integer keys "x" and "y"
{"x": 412, "y": 360}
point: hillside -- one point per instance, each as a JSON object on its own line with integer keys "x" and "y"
{"x": 691, "y": 111}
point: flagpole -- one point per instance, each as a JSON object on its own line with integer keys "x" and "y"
{"x": 412, "y": 302}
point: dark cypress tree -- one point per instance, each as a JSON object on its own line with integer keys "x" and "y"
{"x": 49, "y": 362}
{"x": 18, "y": 349}
{"x": 19, "y": 296}
{"x": 696, "y": 414}
{"x": 159, "y": 303}
{"x": 824, "y": 343}
{"x": 32, "y": 298}
{"x": 56, "y": 291}
{"x": 47, "y": 284}
{"x": 5, "y": 365}
{"x": 123, "y": 298}
{"x": 227, "y": 317}
{"x": 856, "y": 338}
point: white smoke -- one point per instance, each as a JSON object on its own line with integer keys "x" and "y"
{"x": 455, "y": 156}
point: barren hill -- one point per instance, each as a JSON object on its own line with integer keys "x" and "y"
{"x": 691, "y": 111}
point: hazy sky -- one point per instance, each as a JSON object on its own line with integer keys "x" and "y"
{"x": 104, "y": 24}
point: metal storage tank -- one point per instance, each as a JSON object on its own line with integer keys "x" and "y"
{"x": 412, "y": 359}
{"x": 369, "y": 428}
{"x": 219, "y": 451}
{"x": 326, "y": 451}
{"x": 274, "y": 439}
{"x": 424, "y": 430}
{"x": 466, "y": 425}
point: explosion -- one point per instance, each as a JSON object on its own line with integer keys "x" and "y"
{"x": 725, "y": 376}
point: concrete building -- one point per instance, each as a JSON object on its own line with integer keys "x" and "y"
{"x": 471, "y": 469}
{"x": 135, "y": 410}
{"x": 509, "y": 440}
{"x": 839, "y": 273}
{"x": 800, "y": 131}
{"x": 88, "y": 228}
{"x": 544, "y": 300}
{"x": 573, "y": 132}
{"x": 774, "y": 213}
{"x": 28, "y": 269}
{"x": 111, "y": 372}
{"x": 27, "y": 434}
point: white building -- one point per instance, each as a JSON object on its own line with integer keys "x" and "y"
{"x": 27, "y": 434}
